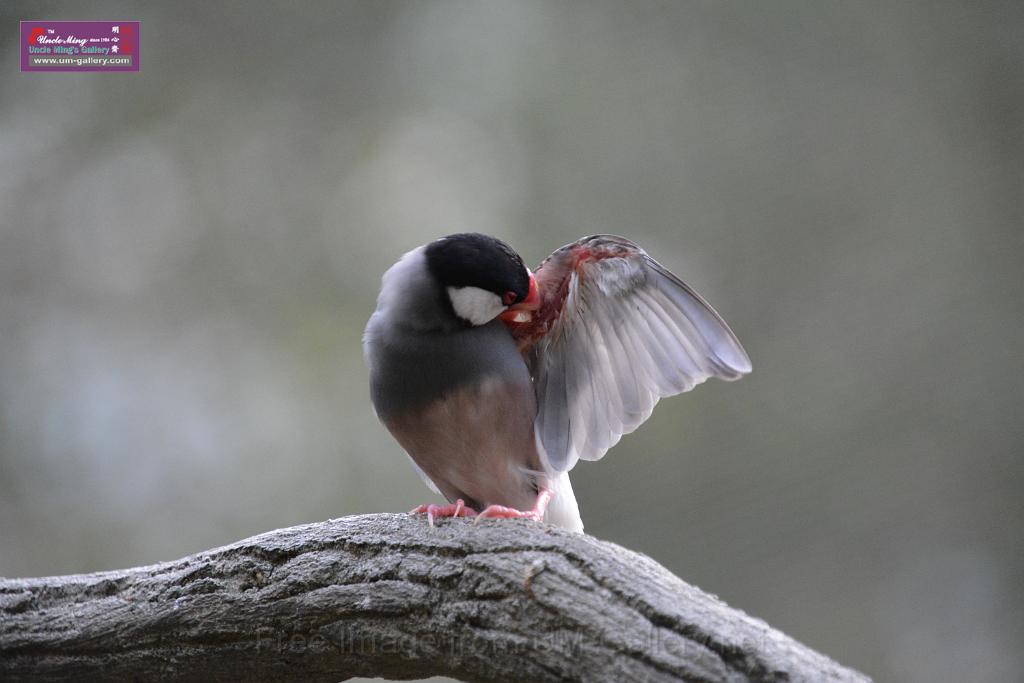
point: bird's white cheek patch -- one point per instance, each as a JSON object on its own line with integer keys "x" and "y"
{"x": 474, "y": 305}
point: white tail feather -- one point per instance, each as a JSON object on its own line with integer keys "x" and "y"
{"x": 563, "y": 510}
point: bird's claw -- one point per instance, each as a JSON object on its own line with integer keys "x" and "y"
{"x": 504, "y": 512}
{"x": 456, "y": 509}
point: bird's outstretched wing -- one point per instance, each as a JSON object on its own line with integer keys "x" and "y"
{"x": 615, "y": 332}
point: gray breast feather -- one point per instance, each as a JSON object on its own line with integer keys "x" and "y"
{"x": 476, "y": 442}
{"x": 416, "y": 350}
{"x": 458, "y": 398}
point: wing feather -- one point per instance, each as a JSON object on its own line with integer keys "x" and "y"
{"x": 617, "y": 332}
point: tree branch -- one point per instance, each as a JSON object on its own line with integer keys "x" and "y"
{"x": 387, "y": 595}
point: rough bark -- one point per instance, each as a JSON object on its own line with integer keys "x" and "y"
{"x": 387, "y": 595}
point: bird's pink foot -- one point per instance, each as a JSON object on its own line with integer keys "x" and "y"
{"x": 504, "y": 512}
{"x": 456, "y": 509}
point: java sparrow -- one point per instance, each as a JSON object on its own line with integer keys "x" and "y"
{"x": 496, "y": 380}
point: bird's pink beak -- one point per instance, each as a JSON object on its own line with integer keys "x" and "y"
{"x": 522, "y": 312}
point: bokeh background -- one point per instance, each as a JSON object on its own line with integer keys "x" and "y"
{"x": 188, "y": 256}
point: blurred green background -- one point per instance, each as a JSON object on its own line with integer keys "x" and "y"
{"x": 188, "y": 256}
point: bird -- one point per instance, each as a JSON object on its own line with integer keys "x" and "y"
{"x": 496, "y": 380}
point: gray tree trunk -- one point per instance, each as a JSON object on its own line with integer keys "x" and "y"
{"x": 387, "y": 595}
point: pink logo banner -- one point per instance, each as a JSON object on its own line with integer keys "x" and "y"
{"x": 79, "y": 46}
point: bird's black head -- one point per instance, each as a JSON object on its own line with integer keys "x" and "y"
{"x": 465, "y": 263}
